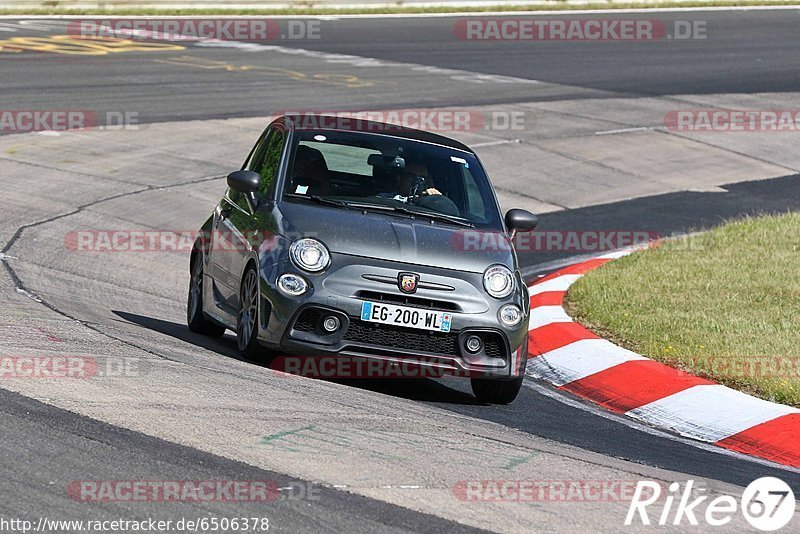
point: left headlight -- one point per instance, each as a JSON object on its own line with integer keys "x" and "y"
{"x": 309, "y": 254}
{"x": 498, "y": 280}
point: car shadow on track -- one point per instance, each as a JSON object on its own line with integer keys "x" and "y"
{"x": 417, "y": 389}
{"x": 224, "y": 345}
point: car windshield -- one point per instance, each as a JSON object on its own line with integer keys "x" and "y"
{"x": 384, "y": 171}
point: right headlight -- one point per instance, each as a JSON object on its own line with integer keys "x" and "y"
{"x": 292, "y": 284}
{"x": 498, "y": 281}
{"x": 510, "y": 315}
{"x": 309, "y": 254}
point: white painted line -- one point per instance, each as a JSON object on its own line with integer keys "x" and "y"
{"x": 543, "y": 269}
{"x": 708, "y": 189}
{"x": 618, "y": 254}
{"x": 709, "y": 412}
{"x": 624, "y": 130}
{"x": 544, "y": 315}
{"x": 494, "y": 143}
{"x": 559, "y": 283}
{"x": 579, "y": 360}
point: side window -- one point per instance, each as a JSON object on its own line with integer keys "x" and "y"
{"x": 267, "y": 159}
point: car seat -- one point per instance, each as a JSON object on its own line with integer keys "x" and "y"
{"x": 310, "y": 171}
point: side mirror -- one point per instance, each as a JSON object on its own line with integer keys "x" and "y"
{"x": 244, "y": 181}
{"x": 518, "y": 220}
{"x": 248, "y": 183}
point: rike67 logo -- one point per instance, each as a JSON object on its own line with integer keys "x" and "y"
{"x": 767, "y": 503}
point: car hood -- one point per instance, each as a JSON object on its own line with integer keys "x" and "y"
{"x": 394, "y": 238}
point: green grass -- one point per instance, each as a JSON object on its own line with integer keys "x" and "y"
{"x": 724, "y": 304}
{"x": 55, "y": 10}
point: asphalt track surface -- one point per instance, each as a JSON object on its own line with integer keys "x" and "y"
{"x": 117, "y": 454}
{"x": 742, "y": 53}
{"x": 36, "y": 435}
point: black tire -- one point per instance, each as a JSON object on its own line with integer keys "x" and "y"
{"x": 499, "y": 391}
{"x": 194, "y": 303}
{"x": 247, "y": 317}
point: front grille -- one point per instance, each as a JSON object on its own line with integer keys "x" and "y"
{"x": 307, "y": 321}
{"x": 407, "y": 300}
{"x": 493, "y": 346}
{"x": 401, "y": 338}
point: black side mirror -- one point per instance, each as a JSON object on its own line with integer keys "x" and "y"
{"x": 248, "y": 183}
{"x": 244, "y": 181}
{"x": 518, "y": 220}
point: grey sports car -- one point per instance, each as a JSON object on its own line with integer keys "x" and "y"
{"x": 376, "y": 242}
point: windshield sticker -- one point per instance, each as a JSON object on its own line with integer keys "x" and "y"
{"x": 320, "y": 138}
{"x": 301, "y": 189}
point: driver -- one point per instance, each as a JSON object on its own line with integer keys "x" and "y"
{"x": 405, "y": 182}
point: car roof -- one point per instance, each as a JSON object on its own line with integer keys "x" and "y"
{"x": 372, "y": 127}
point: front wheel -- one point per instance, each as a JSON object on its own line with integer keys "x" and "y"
{"x": 499, "y": 391}
{"x": 194, "y": 305}
{"x": 496, "y": 391}
{"x": 247, "y": 318}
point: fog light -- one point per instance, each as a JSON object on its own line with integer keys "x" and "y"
{"x": 330, "y": 324}
{"x": 474, "y": 344}
{"x": 510, "y": 315}
{"x": 292, "y": 284}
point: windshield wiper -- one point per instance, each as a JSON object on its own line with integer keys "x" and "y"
{"x": 383, "y": 207}
{"x": 341, "y": 203}
{"x": 436, "y": 215}
{"x": 413, "y": 212}
{"x": 345, "y": 204}
{"x": 320, "y": 200}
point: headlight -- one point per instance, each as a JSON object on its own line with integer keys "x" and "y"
{"x": 498, "y": 281}
{"x": 309, "y": 254}
{"x": 292, "y": 284}
{"x": 510, "y": 315}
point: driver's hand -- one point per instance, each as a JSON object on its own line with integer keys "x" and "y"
{"x": 432, "y": 191}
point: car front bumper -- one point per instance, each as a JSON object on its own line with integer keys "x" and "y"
{"x": 293, "y": 324}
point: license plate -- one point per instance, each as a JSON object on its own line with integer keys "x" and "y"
{"x": 375, "y": 312}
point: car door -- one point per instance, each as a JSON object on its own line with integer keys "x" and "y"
{"x": 239, "y": 229}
